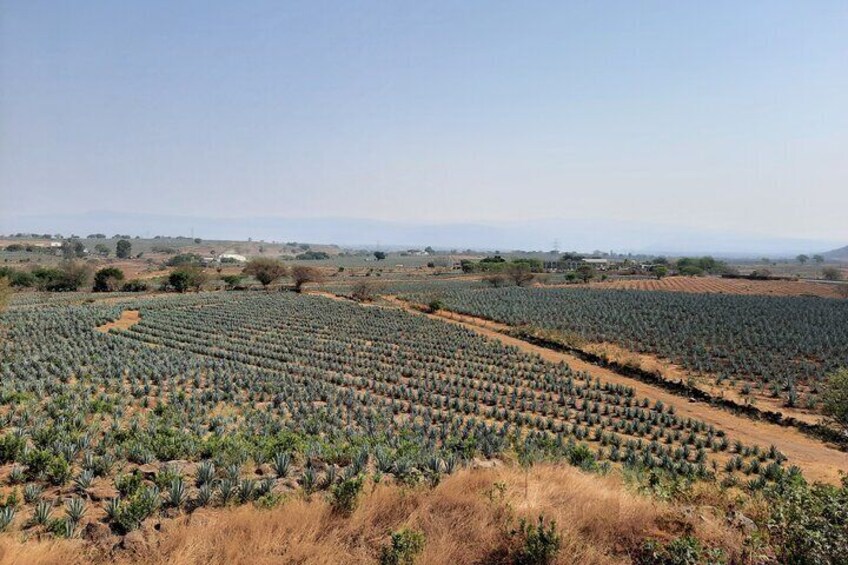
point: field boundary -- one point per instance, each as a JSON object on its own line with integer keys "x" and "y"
{"x": 818, "y": 431}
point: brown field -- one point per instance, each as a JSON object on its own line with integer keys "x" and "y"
{"x": 465, "y": 519}
{"x": 128, "y": 319}
{"x": 717, "y": 285}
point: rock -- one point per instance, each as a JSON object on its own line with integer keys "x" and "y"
{"x": 148, "y": 471}
{"x": 743, "y": 523}
{"x": 477, "y": 463}
{"x": 182, "y": 466}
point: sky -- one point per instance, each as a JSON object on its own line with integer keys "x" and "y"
{"x": 722, "y": 116}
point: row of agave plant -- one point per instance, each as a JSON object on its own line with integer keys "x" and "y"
{"x": 781, "y": 343}
{"x": 231, "y": 398}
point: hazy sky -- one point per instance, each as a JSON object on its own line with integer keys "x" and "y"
{"x": 721, "y": 115}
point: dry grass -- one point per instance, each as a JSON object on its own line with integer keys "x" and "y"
{"x": 464, "y": 520}
{"x": 65, "y": 552}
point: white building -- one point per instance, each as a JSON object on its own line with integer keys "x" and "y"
{"x": 225, "y": 257}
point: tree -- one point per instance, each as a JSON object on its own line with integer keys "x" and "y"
{"x": 379, "y": 255}
{"x": 659, "y": 271}
{"x": 818, "y": 259}
{"x": 586, "y": 273}
{"x": 186, "y": 278}
{"x": 429, "y": 250}
{"x": 520, "y": 273}
{"x": 231, "y": 281}
{"x": 495, "y": 280}
{"x": 835, "y": 397}
{"x": 363, "y": 291}
{"x": 265, "y": 269}
{"x": 123, "y": 249}
{"x": 831, "y": 274}
{"x": 73, "y": 248}
{"x": 108, "y": 279}
{"x": 802, "y": 258}
{"x": 303, "y": 275}
{"x": 102, "y": 250}
{"x": 69, "y": 277}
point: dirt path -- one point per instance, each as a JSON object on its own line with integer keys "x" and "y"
{"x": 128, "y": 319}
{"x": 818, "y": 461}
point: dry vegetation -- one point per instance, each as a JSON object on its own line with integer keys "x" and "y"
{"x": 466, "y": 519}
{"x": 718, "y": 285}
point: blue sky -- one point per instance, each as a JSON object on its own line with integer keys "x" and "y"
{"x": 723, "y": 116}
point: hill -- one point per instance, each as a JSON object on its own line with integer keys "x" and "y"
{"x": 840, "y": 254}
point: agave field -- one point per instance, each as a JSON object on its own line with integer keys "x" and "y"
{"x": 227, "y": 398}
{"x": 780, "y": 342}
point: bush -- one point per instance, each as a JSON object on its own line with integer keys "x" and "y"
{"x": 685, "y": 550}
{"x": 108, "y": 279}
{"x": 835, "y": 397}
{"x": 538, "y": 544}
{"x": 345, "y": 495}
{"x": 135, "y": 285}
{"x": 809, "y": 524}
{"x": 405, "y": 546}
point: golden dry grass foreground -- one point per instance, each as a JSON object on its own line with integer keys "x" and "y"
{"x": 465, "y": 519}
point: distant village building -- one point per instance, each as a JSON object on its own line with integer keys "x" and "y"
{"x": 232, "y": 258}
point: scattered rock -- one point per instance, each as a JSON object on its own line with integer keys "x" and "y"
{"x": 477, "y": 463}
{"x": 743, "y": 523}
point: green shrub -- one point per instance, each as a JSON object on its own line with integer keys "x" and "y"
{"x": 538, "y": 544}
{"x": 809, "y": 523}
{"x": 345, "y": 495}
{"x": 405, "y": 547}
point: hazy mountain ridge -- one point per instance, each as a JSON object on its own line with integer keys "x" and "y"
{"x": 578, "y": 234}
{"x": 840, "y": 254}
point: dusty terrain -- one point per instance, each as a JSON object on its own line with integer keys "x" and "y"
{"x": 128, "y": 319}
{"x": 719, "y": 285}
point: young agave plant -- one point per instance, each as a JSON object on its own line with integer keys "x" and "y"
{"x": 7, "y": 514}
{"x": 204, "y": 494}
{"x": 113, "y": 508}
{"x": 282, "y": 462}
{"x": 42, "y": 513}
{"x": 16, "y": 475}
{"x": 308, "y": 479}
{"x": 32, "y": 492}
{"x": 265, "y": 486}
{"x": 205, "y": 473}
{"x": 234, "y": 471}
{"x": 83, "y": 481}
{"x": 177, "y": 493}
{"x": 75, "y": 509}
{"x": 227, "y": 489}
{"x": 330, "y": 477}
{"x": 245, "y": 490}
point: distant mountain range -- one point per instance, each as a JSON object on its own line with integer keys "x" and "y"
{"x": 574, "y": 234}
{"x": 840, "y": 254}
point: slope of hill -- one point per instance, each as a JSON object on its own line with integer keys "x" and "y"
{"x": 840, "y": 254}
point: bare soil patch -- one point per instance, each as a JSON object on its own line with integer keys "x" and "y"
{"x": 717, "y": 285}
{"x": 128, "y": 319}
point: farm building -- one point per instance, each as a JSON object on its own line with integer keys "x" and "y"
{"x": 232, "y": 257}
